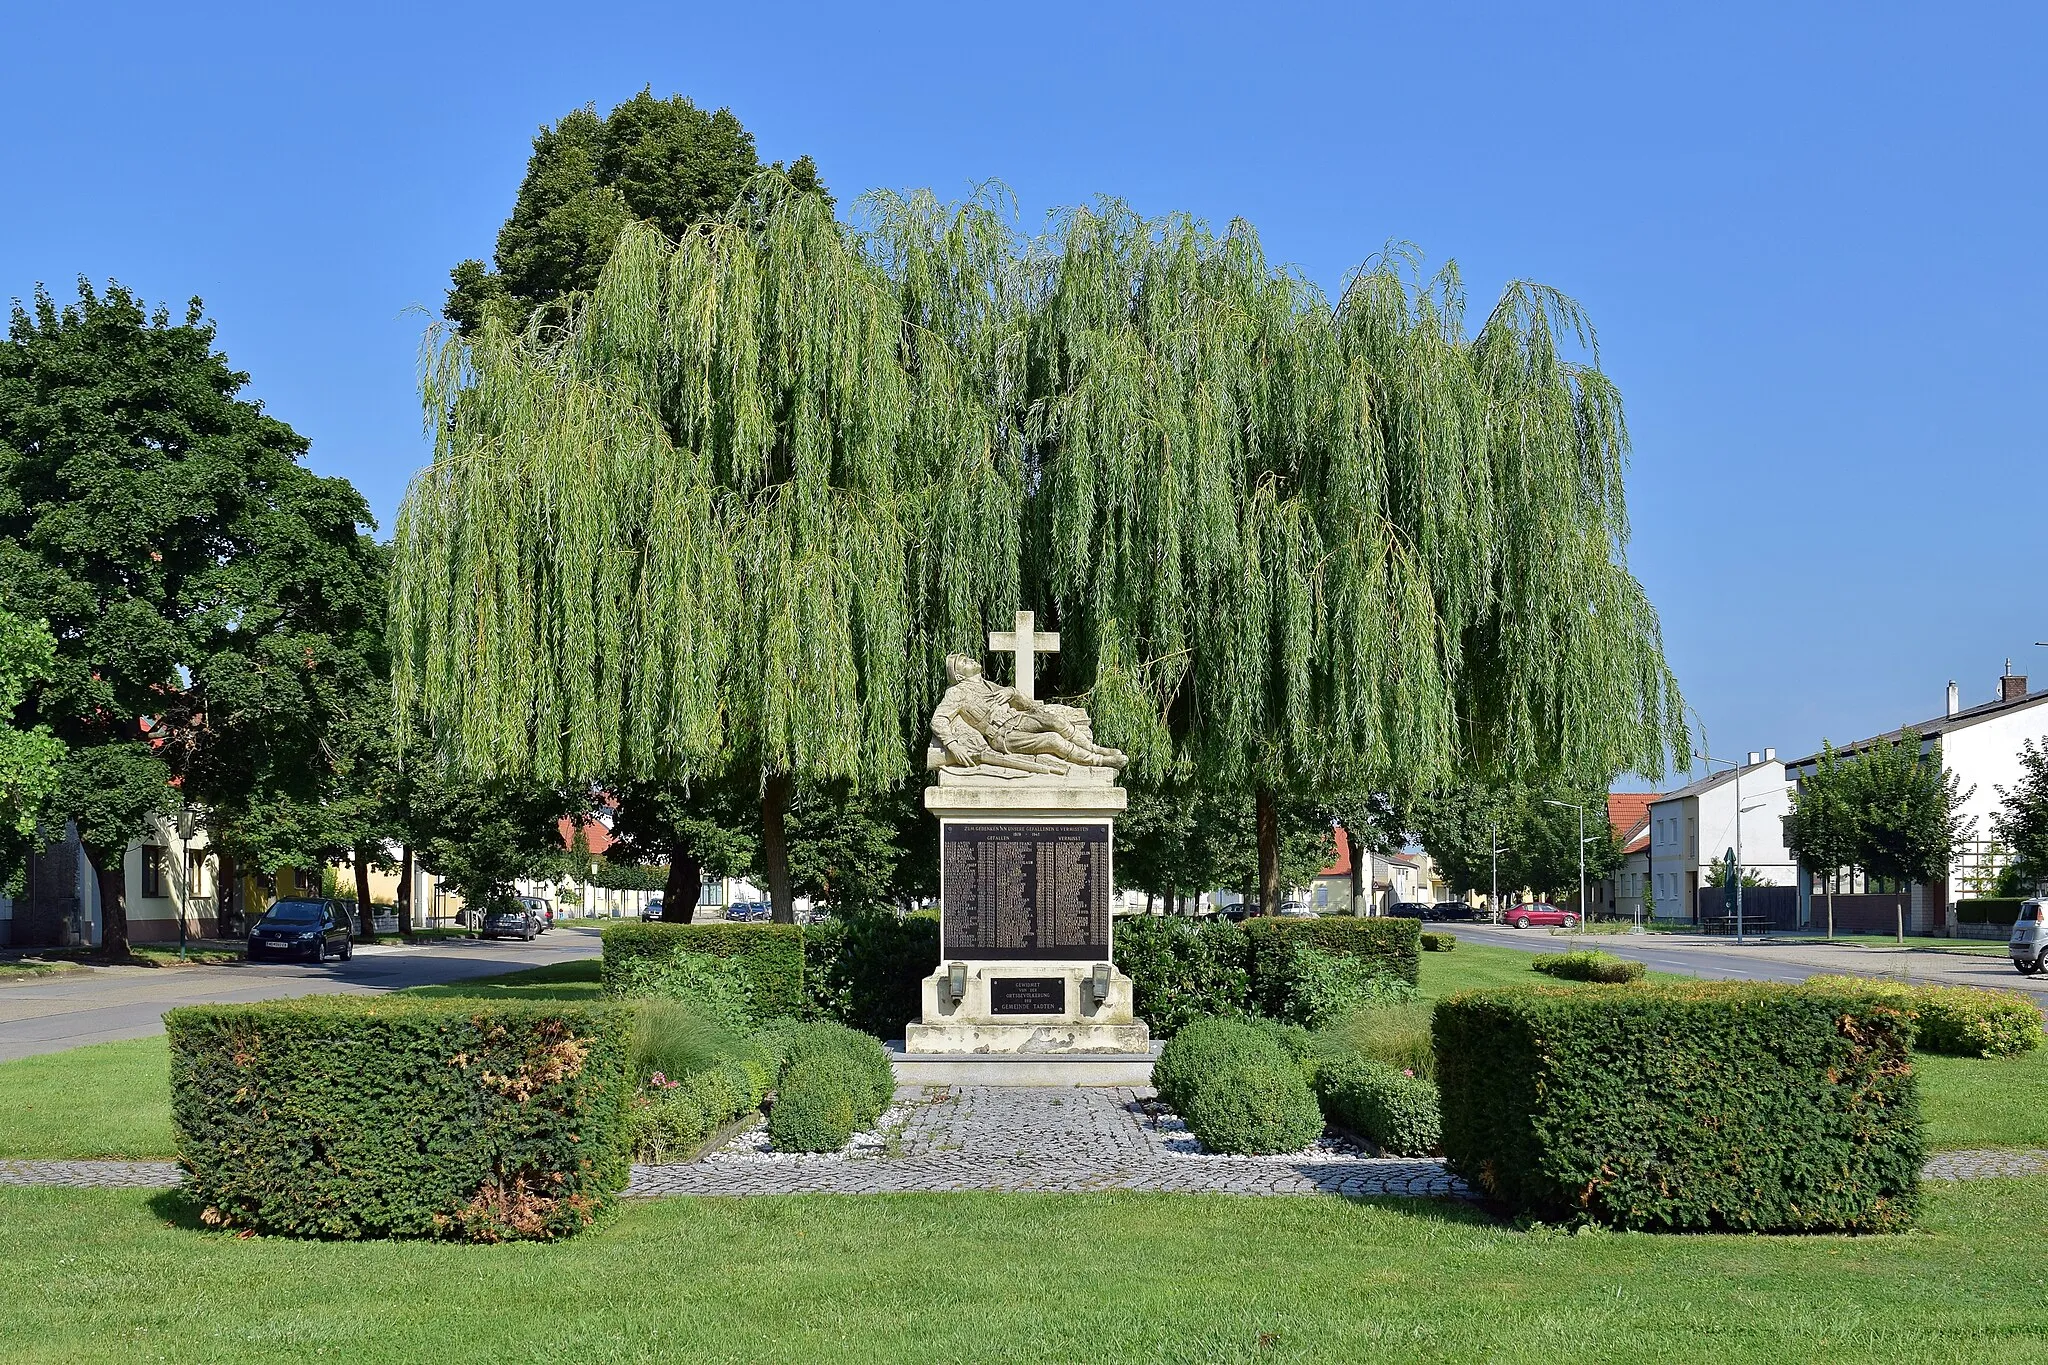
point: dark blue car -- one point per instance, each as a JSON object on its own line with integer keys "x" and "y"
{"x": 312, "y": 929}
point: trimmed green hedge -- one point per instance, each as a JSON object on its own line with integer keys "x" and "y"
{"x": 401, "y": 1117}
{"x": 1959, "y": 1021}
{"x": 1752, "y": 1107}
{"x": 1589, "y": 965}
{"x": 868, "y": 971}
{"x": 1238, "y": 1087}
{"x": 1182, "y": 970}
{"x": 739, "y": 973}
{"x": 1392, "y": 945}
{"x": 1397, "y": 1112}
{"x": 1438, "y": 943}
{"x": 1989, "y": 910}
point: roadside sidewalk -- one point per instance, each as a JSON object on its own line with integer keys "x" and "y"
{"x": 1768, "y": 960}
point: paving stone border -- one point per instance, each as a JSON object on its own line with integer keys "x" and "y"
{"x": 1053, "y": 1140}
{"x": 93, "y": 1175}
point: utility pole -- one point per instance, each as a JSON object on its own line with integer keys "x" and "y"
{"x": 1740, "y": 809}
{"x": 1574, "y": 805}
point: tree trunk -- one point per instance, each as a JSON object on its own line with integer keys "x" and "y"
{"x": 1359, "y": 859}
{"x": 405, "y": 890}
{"x": 111, "y": 874}
{"x": 1269, "y": 852}
{"x": 363, "y": 908}
{"x": 685, "y": 885}
{"x": 775, "y": 794}
{"x": 227, "y": 906}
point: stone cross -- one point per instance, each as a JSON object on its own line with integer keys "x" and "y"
{"x": 1026, "y": 643}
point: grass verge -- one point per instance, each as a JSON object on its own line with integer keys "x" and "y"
{"x": 913, "y": 1277}
{"x": 114, "y": 1099}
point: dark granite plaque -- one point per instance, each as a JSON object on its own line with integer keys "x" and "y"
{"x": 1027, "y": 995}
{"x": 1025, "y": 891}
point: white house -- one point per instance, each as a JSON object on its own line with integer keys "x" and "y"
{"x": 1981, "y": 746}
{"x": 1694, "y": 827}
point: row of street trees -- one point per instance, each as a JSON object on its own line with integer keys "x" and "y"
{"x": 705, "y": 530}
{"x": 1886, "y": 809}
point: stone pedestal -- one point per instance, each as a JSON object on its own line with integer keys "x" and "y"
{"x": 1024, "y": 889}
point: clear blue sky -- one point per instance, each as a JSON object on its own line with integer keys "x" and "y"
{"x": 1811, "y": 238}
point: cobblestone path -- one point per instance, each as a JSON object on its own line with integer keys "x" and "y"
{"x": 1046, "y": 1139}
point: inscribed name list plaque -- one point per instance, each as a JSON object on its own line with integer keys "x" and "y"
{"x": 1025, "y": 890}
{"x": 1027, "y": 995}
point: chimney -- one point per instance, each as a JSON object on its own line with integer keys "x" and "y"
{"x": 2012, "y": 687}
{"x": 1955, "y": 697}
{"x": 1770, "y": 755}
{"x": 1755, "y": 758}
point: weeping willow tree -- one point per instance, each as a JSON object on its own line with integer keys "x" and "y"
{"x": 1298, "y": 546}
{"x": 723, "y": 519}
{"x": 731, "y": 516}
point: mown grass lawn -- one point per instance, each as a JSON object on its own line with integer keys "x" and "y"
{"x": 1028, "y": 1278}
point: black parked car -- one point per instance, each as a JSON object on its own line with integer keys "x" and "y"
{"x": 1451, "y": 910}
{"x": 1412, "y": 910}
{"x": 516, "y": 921}
{"x": 312, "y": 929}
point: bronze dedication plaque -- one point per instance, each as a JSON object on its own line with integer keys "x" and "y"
{"x": 1021, "y": 890}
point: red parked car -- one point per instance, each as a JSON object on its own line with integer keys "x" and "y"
{"x": 1522, "y": 916}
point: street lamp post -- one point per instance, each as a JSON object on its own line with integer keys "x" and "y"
{"x": 1549, "y": 801}
{"x": 1493, "y": 843}
{"x": 1739, "y": 809}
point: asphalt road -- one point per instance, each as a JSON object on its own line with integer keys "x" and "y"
{"x": 1765, "y": 960}
{"x": 105, "y": 1003}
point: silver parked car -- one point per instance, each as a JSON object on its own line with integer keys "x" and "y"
{"x": 2029, "y": 943}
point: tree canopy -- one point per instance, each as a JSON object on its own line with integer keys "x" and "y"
{"x": 1888, "y": 809}
{"x": 31, "y": 757}
{"x": 663, "y": 162}
{"x": 737, "y": 509}
{"x": 2021, "y": 823}
{"x": 205, "y": 591}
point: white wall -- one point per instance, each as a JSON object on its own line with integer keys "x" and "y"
{"x": 1986, "y": 755}
{"x": 1763, "y": 829}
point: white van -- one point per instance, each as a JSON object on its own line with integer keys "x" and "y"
{"x": 2029, "y": 945}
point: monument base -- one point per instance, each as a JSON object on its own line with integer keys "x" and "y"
{"x": 982, "y": 1039}
{"x": 1016, "y": 1006}
{"x": 1022, "y": 1068}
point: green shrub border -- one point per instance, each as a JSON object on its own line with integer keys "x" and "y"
{"x": 1392, "y": 944}
{"x": 1989, "y": 910}
{"x": 772, "y": 956}
{"x": 352, "y": 1117}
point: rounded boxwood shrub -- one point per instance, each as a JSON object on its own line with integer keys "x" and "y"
{"x": 1203, "y": 1048}
{"x": 1261, "y": 1106}
{"x": 814, "y": 1108}
{"x": 1239, "y": 1087}
{"x": 1439, "y": 943}
{"x": 863, "y": 1063}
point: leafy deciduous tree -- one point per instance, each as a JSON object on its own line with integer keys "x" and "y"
{"x": 196, "y": 577}
{"x": 664, "y": 162}
{"x": 31, "y": 758}
{"x": 2021, "y": 823}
